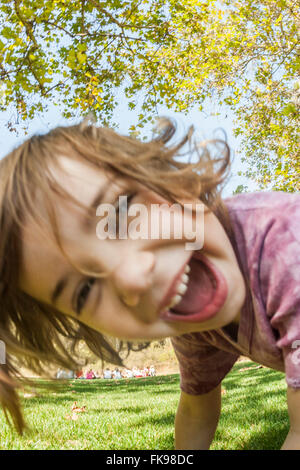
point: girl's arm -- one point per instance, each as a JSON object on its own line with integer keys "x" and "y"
{"x": 196, "y": 420}
{"x": 292, "y": 441}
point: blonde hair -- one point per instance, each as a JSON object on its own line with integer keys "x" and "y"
{"x": 34, "y": 333}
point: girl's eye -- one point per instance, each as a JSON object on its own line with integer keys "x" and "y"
{"x": 83, "y": 295}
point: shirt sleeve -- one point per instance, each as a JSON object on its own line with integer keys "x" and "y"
{"x": 202, "y": 366}
{"x": 280, "y": 278}
{"x": 288, "y": 325}
{"x": 291, "y": 355}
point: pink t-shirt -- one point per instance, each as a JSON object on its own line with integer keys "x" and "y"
{"x": 266, "y": 242}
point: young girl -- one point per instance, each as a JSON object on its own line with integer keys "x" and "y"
{"x": 238, "y": 294}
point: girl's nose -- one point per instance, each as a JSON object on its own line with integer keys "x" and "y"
{"x": 133, "y": 276}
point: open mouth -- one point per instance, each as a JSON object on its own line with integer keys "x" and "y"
{"x": 200, "y": 292}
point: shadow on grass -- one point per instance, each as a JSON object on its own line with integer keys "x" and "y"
{"x": 162, "y": 420}
{"x": 258, "y": 398}
{"x": 131, "y": 385}
{"x": 137, "y": 410}
{"x": 69, "y": 391}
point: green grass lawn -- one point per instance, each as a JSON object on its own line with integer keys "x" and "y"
{"x": 139, "y": 414}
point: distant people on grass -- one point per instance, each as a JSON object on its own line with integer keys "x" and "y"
{"x": 117, "y": 374}
{"x": 137, "y": 372}
{"x": 65, "y": 374}
{"x": 79, "y": 374}
{"x": 90, "y": 374}
{"x": 107, "y": 374}
{"x": 147, "y": 371}
{"x": 128, "y": 373}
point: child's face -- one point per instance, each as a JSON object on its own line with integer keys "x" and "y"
{"x": 143, "y": 274}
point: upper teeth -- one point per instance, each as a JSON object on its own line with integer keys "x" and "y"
{"x": 181, "y": 289}
{"x": 187, "y": 269}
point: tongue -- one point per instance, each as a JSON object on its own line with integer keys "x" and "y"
{"x": 200, "y": 291}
